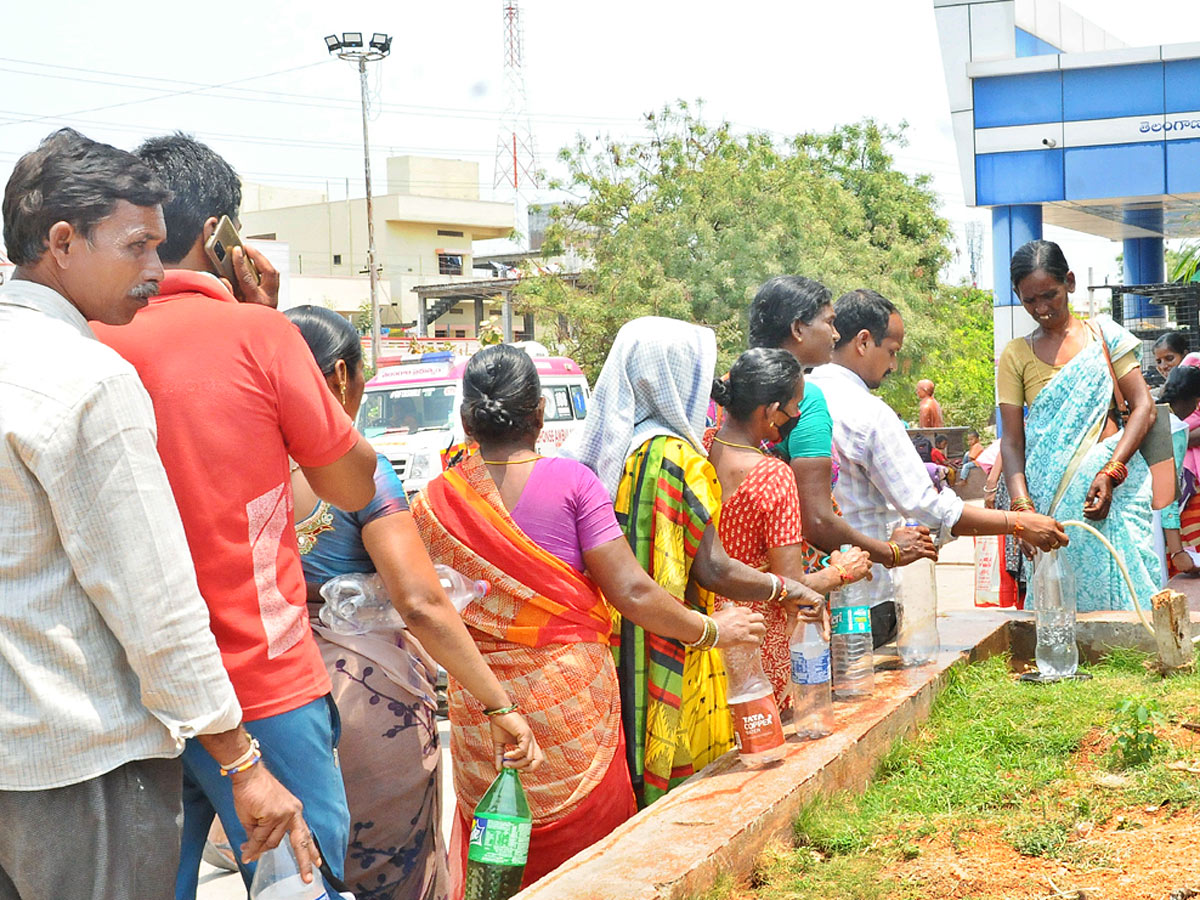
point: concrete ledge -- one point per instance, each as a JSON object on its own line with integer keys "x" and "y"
{"x": 721, "y": 819}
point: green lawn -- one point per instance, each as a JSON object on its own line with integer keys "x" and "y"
{"x": 995, "y": 752}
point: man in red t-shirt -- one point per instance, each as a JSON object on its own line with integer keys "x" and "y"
{"x": 236, "y": 393}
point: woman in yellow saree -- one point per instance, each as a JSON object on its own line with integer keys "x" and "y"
{"x": 643, "y": 439}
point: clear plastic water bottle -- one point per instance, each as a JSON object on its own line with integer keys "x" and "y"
{"x": 277, "y": 877}
{"x": 1053, "y": 590}
{"x": 811, "y": 697}
{"x": 850, "y": 642}
{"x": 758, "y": 731}
{"x": 358, "y": 602}
{"x": 917, "y": 639}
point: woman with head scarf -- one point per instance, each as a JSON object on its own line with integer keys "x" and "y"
{"x": 643, "y": 439}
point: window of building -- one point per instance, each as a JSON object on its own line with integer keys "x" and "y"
{"x": 460, "y": 332}
{"x": 444, "y": 233}
{"x": 450, "y": 264}
{"x": 337, "y": 259}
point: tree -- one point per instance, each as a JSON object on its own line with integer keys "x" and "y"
{"x": 690, "y": 220}
{"x": 947, "y": 339}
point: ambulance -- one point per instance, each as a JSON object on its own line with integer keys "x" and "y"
{"x": 411, "y": 410}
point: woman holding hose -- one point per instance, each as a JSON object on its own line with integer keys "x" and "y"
{"x": 1070, "y": 458}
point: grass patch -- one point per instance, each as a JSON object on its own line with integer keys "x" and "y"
{"x": 994, "y": 753}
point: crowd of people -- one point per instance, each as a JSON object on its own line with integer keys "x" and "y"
{"x": 184, "y": 475}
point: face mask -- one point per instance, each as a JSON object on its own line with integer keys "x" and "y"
{"x": 786, "y": 428}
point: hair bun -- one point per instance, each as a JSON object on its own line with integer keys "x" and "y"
{"x": 493, "y": 411}
{"x": 720, "y": 391}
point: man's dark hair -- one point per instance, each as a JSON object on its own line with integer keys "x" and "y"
{"x": 782, "y": 301}
{"x": 203, "y": 183}
{"x": 859, "y": 310}
{"x": 70, "y": 178}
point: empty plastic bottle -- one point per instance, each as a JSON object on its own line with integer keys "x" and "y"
{"x": 277, "y": 877}
{"x": 758, "y": 731}
{"x": 1053, "y": 592}
{"x": 499, "y": 845}
{"x": 812, "y": 701}
{"x": 850, "y": 643}
{"x": 358, "y": 602}
{"x": 917, "y": 639}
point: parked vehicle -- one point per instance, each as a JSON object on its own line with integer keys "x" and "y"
{"x": 410, "y": 411}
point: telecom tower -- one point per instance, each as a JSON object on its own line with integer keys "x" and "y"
{"x": 516, "y": 159}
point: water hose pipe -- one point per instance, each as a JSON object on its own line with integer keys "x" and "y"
{"x": 1137, "y": 604}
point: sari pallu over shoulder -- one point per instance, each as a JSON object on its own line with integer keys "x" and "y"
{"x": 543, "y": 629}
{"x": 1063, "y": 453}
{"x": 673, "y": 700}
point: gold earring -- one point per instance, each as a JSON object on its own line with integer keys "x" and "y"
{"x": 343, "y": 393}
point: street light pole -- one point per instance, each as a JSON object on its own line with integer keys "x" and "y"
{"x": 350, "y": 47}
{"x": 373, "y": 271}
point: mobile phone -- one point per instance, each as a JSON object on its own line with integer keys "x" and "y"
{"x": 220, "y": 246}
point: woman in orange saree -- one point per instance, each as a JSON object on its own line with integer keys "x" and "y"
{"x": 539, "y": 531}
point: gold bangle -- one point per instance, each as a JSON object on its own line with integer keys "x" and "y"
{"x": 708, "y": 639}
{"x": 502, "y": 710}
{"x": 896, "y": 555}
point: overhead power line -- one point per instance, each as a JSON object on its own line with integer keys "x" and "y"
{"x": 263, "y": 95}
{"x": 163, "y": 96}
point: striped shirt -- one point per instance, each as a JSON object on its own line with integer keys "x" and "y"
{"x": 881, "y": 481}
{"x": 106, "y": 656}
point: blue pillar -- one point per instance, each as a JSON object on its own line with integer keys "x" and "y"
{"x": 1145, "y": 263}
{"x": 1012, "y": 226}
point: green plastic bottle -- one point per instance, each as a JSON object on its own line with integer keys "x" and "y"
{"x": 499, "y": 840}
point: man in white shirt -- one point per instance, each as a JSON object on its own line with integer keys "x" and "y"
{"x": 882, "y": 482}
{"x": 107, "y": 663}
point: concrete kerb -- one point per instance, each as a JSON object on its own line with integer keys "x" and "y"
{"x": 723, "y": 818}
{"x": 726, "y": 814}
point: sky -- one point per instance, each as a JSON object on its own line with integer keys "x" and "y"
{"x": 287, "y": 113}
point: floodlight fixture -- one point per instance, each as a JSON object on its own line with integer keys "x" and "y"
{"x": 352, "y": 39}
{"x": 333, "y": 43}
{"x": 381, "y": 42}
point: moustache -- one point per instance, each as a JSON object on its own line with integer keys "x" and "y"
{"x": 145, "y": 290}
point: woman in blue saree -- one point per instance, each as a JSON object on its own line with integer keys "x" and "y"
{"x": 1069, "y": 458}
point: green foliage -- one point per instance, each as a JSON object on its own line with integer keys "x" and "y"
{"x": 995, "y": 752}
{"x": 1184, "y": 264}
{"x": 363, "y": 318}
{"x": 1134, "y": 729}
{"x": 948, "y": 339}
{"x": 690, "y": 220}
{"x": 1040, "y": 839}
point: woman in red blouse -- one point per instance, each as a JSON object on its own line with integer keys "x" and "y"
{"x": 760, "y": 513}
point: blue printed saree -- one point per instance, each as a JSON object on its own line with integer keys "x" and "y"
{"x": 1063, "y": 453}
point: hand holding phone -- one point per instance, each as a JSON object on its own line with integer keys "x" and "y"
{"x": 247, "y": 272}
{"x": 220, "y": 246}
